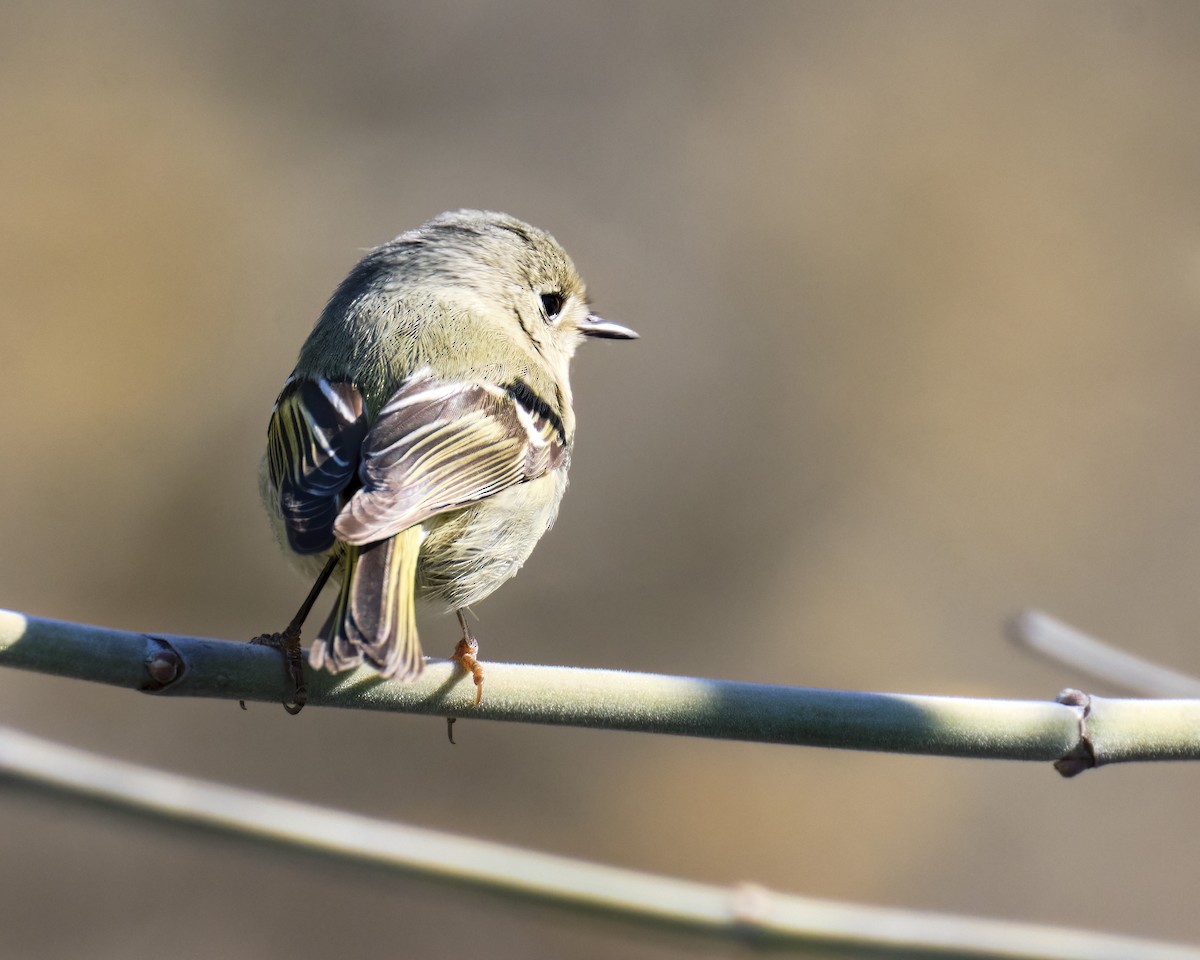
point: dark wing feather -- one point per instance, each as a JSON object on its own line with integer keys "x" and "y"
{"x": 439, "y": 445}
{"x": 374, "y": 618}
{"x": 313, "y": 444}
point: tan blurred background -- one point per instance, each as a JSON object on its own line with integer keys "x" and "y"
{"x": 919, "y": 289}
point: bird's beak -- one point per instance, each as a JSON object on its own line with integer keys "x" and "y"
{"x": 594, "y": 326}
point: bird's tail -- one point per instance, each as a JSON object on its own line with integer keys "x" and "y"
{"x": 374, "y": 618}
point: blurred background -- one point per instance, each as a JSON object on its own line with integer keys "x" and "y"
{"x": 918, "y": 285}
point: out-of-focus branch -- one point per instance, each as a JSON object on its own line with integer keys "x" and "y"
{"x": 1090, "y": 731}
{"x": 1055, "y": 640}
{"x": 745, "y": 913}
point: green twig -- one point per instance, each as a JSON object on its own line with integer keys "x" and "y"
{"x": 1089, "y": 731}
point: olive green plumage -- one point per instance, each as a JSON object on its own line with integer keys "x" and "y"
{"x": 425, "y": 434}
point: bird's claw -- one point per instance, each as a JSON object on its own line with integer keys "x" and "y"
{"x": 288, "y": 643}
{"x": 465, "y": 655}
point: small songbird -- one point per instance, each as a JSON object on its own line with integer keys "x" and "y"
{"x": 420, "y": 447}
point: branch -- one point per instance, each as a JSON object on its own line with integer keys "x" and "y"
{"x": 745, "y": 913}
{"x": 1057, "y": 641}
{"x": 1085, "y": 731}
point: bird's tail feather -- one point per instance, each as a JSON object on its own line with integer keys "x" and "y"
{"x": 374, "y": 618}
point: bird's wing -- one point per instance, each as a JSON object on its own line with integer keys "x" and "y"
{"x": 317, "y": 429}
{"x": 438, "y": 445}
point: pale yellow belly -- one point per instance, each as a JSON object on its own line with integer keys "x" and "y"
{"x": 469, "y": 553}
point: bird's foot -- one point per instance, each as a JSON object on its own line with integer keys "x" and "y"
{"x": 288, "y": 643}
{"x": 466, "y": 656}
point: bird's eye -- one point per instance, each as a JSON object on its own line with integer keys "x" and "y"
{"x": 552, "y": 303}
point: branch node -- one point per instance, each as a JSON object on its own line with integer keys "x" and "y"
{"x": 164, "y": 666}
{"x": 1071, "y": 697}
{"x": 1082, "y": 756}
{"x": 750, "y": 908}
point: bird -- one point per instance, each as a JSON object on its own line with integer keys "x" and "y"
{"x": 420, "y": 447}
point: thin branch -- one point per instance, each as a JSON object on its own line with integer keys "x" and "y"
{"x": 1057, "y": 641}
{"x": 1088, "y": 731}
{"x": 745, "y": 913}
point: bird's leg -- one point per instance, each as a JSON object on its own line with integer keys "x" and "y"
{"x": 288, "y": 642}
{"x": 465, "y": 655}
